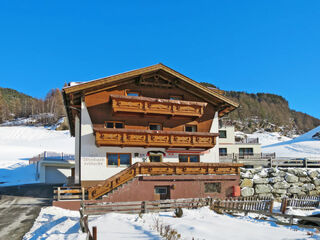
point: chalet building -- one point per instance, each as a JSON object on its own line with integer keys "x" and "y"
{"x": 153, "y": 129}
{"x": 236, "y": 147}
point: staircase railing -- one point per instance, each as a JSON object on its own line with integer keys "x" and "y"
{"x": 160, "y": 169}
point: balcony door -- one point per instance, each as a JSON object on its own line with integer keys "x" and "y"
{"x": 155, "y": 158}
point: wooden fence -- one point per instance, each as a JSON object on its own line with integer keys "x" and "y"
{"x": 303, "y": 202}
{"x": 69, "y": 193}
{"x": 244, "y": 203}
{"x": 100, "y": 207}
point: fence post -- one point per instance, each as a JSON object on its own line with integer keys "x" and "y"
{"x": 305, "y": 161}
{"x": 143, "y": 207}
{"x": 83, "y": 193}
{"x": 284, "y": 203}
{"x": 59, "y": 193}
{"x": 94, "y": 233}
{"x": 271, "y": 206}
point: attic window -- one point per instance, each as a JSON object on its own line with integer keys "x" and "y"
{"x": 191, "y": 128}
{"x": 132, "y": 94}
{"x": 176, "y": 98}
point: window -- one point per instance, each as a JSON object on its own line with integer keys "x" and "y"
{"x": 222, "y": 134}
{"x": 117, "y": 159}
{"x": 160, "y": 190}
{"x": 155, "y": 126}
{"x": 113, "y": 124}
{"x": 176, "y": 98}
{"x": 191, "y": 128}
{"x": 132, "y": 94}
{"x": 245, "y": 151}
{"x": 223, "y": 152}
{"x": 155, "y": 158}
{"x": 189, "y": 158}
{"x": 212, "y": 187}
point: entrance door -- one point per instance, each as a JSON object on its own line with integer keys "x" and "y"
{"x": 155, "y": 158}
{"x": 163, "y": 192}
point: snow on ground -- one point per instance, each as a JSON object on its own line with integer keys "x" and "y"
{"x": 56, "y": 223}
{"x": 302, "y": 146}
{"x": 20, "y": 143}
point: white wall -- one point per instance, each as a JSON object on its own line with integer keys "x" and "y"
{"x": 77, "y": 150}
{"x": 93, "y": 158}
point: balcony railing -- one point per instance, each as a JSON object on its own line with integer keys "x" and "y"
{"x": 149, "y": 138}
{"x": 247, "y": 140}
{"x": 157, "y": 106}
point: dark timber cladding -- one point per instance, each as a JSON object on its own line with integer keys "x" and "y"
{"x": 157, "y": 81}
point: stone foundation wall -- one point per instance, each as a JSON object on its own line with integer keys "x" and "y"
{"x": 279, "y": 182}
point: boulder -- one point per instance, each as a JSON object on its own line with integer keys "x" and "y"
{"x": 316, "y": 182}
{"x": 313, "y": 193}
{"x": 263, "y": 173}
{"x": 305, "y": 179}
{"x": 307, "y": 187}
{"x": 313, "y": 174}
{"x": 247, "y": 192}
{"x": 246, "y": 175}
{"x": 260, "y": 180}
{"x": 294, "y": 190}
{"x": 290, "y": 178}
{"x": 298, "y": 172}
{"x": 275, "y": 179}
{"x": 281, "y": 185}
{"x": 279, "y": 191}
{"x": 246, "y": 183}
{"x": 263, "y": 188}
{"x": 262, "y": 195}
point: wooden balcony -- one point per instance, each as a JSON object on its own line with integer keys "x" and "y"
{"x": 148, "y": 138}
{"x": 147, "y": 105}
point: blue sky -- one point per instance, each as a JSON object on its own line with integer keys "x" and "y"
{"x": 252, "y": 46}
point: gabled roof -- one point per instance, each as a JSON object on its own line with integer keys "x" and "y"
{"x": 72, "y": 94}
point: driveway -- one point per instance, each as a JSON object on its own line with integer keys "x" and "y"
{"x": 20, "y": 206}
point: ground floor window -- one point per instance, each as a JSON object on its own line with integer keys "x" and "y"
{"x": 223, "y": 151}
{"x": 117, "y": 159}
{"x": 212, "y": 187}
{"x": 155, "y": 158}
{"x": 245, "y": 151}
{"x": 189, "y": 158}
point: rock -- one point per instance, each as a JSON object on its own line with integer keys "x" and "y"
{"x": 307, "y": 187}
{"x": 260, "y": 180}
{"x": 246, "y": 175}
{"x": 313, "y": 193}
{"x": 305, "y": 179}
{"x": 313, "y": 174}
{"x": 275, "y": 179}
{"x": 298, "y": 184}
{"x": 263, "y": 173}
{"x": 294, "y": 190}
{"x": 246, "y": 183}
{"x": 243, "y": 170}
{"x": 279, "y": 191}
{"x": 290, "y": 178}
{"x": 247, "y": 192}
{"x": 262, "y": 195}
{"x": 273, "y": 170}
{"x": 281, "y": 185}
{"x": 263, "y": 188}
{"x": 316, "y": 182}
{"x": 298, "y": 172}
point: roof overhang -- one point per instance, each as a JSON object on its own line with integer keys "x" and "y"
{"x": 72, "y": 94}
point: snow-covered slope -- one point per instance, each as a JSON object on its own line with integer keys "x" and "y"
{"x": 302, "y": 146}
{"x": 19, "y": 144}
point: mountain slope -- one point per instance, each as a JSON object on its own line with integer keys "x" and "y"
{"x": 269, "y": 112}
